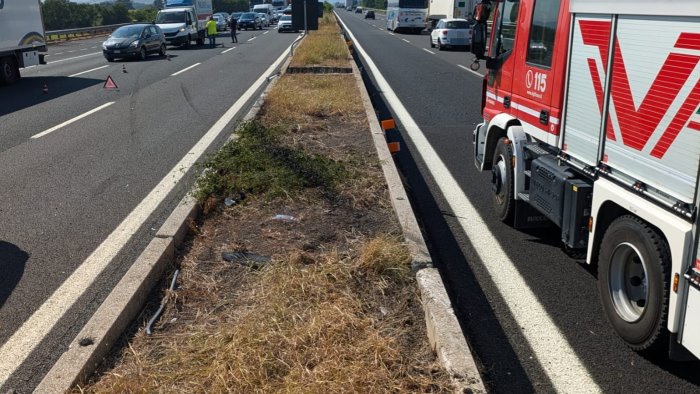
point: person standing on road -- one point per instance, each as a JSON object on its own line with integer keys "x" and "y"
{"x": 211, "y": 31}
{"x": 233, "y": 24}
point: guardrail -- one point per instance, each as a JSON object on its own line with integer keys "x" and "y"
{"x": 83, "y": 32}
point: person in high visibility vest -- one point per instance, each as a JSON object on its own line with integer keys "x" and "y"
{"x": 211, "y": 31}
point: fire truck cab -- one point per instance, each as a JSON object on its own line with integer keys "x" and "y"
{"x": 591, "y": 115}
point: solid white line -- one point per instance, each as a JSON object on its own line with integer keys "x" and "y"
{"x": 465, "y": 68}
{"x": 18, "y": 347}
{"x": 77, "y": 118}
{"x": 428, "y": 50}
{"x": 87, "y": 71}
{"x": 554, "y": 353}
{"x": 251, "y": 39}
{"x": 230, "y": 49}
{"x": 405, "y": 40}
{"x": 75, "y": 57}
{"x": 185, "y": 69}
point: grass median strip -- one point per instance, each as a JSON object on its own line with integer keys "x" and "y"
{"x": 325, "y": 300}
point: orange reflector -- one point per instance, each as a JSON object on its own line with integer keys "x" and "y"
{"x": 388, "y": 124}
{"x": 512, "y": 161}
{"x": 676, "y": 277}
{"x": 590, "y": 224}
{"x": 506, "y": 141}
{"x": 394, "y": 146}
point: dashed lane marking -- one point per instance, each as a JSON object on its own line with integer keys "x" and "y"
{"x": 429, "y": 51}
{"x": 77, "y": 118}
{"x": 185, "y": 69}
{"x": 465, "y": 68}
{"x": 87, "y": 71}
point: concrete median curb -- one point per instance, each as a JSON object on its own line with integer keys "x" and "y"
{"x": 444, "y": 332}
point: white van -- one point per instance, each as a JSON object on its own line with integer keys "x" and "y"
{"x": 266, "y": 9}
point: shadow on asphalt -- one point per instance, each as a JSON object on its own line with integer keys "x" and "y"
{"x": 500, "y": 367}
{"x": 29, "y": 91}
{"x": 12, "y": 262}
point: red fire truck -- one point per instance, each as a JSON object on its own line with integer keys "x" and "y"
{"x": 592, "y": 123}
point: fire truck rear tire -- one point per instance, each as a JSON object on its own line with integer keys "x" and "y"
{"x": 502, "y": 180}
{"x": 634, "y": 276}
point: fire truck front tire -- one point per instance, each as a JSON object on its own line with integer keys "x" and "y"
{"x": 634, "y": 283}
{"x": 502, "y": 180}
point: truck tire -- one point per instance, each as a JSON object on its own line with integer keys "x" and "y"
{"x": 9, "y": 71}
{"x": 634, "y": 275}
{"x": 502, "y": 179}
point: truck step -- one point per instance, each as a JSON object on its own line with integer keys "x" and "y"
{"x": 524, "y": 197}
{"x": 536, "y": 150}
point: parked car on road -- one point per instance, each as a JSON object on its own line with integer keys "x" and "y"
{"x": 249, "y": 20}
{"x": 265, "y": 19}
{"x": 451, "y": 33}
{"x": 285, "y": 24}
{"x": 226, "y": 15}
{"x": 369, "y": 14}
{"x": 358, "y": 10}
{"x": 220, "y": 22}
{"x": 137, "y": 40}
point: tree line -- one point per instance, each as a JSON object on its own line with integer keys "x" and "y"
{"x": 64, "y": 14}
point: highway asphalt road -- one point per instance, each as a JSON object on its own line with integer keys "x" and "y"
{"x": 531, "y": 313}
{"x": 76, "y": 162}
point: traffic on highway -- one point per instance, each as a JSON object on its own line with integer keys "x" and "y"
{"x": 100, "y": 139}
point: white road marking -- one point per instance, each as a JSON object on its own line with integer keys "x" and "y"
{"x": 87, "y": 71}
{"x": 391, "y": 33}
{"x": 428, "y": 50}
{"x": 185, "y": 69}
{"x": 71, "y": 51}
{"x": 251, "y": 39}
{"x": 554, "y": 353}
{"x": 85, "y": 49}
{"x": 230, "y": 49}
{"x": 266, "y": 32}
{"x": 75, "y": 57}
{"x": 405, "y": 40}
{"x": 465, "y": 68}
{"x": 59, "y": 53}
{"x": 77, "y": 118}
{"x": 21, "y": 344}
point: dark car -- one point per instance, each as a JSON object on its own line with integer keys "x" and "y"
{"x": 249, "y": 20}
{"x": 137, "y": 40}
{"x": 369, "y": 14}
{"x": 236, "y": 15}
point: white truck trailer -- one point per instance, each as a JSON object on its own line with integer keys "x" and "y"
{"x": 592, "y": 124}
{"x": 439, "y": 9}
{"x": 184, "y": 21}
{"x": 22, "y": 42}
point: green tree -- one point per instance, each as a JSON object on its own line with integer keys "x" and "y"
{"x": 112, "y": 14}
{"x": 147, "y": 14}
{"x": 230, "y": 5}
{"x": 56, "y": 14}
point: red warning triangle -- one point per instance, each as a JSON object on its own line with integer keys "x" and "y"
{"x": 109, "y": 83}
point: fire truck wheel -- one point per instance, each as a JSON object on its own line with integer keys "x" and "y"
{"x": 502, "y": 180}
{"x": 634, "y": 282}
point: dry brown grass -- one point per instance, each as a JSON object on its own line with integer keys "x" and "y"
{"x": 299, "y": 100}
{"x": 334, "y": 323}
{"x": 324, "y": 47}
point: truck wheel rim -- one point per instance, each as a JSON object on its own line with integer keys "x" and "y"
{"x": 628, "y": 282}
{"x": 498, "y": 178}
{"x": 7, "y": 70}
